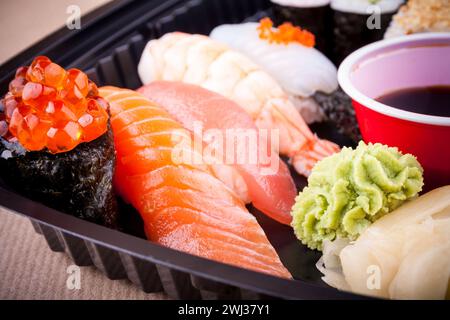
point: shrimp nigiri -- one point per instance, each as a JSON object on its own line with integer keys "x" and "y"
{"x": 269, "y": 183}
{"x": 184, "y": 206}
{"x": 197, "y": 59}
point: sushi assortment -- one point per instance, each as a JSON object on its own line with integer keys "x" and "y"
{"x": 199, "y": 60}
{"x": 77, "y": 148}
{"x": 304, "y": 73}
{"x": 184, "y": 206}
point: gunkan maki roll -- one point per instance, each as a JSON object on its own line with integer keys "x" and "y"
{"x": 359, "y": 22}
{"x": 313, "y": 15}
{"x": 56, "y": 144}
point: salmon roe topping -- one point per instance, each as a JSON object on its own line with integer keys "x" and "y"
{"x": 285, "y": 33}
{"x": 49, "y": 107}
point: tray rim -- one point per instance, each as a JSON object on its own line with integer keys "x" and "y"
{"x": 174, "y": 259}
{"x": 63, "y": 35}
{"x": 132, "y": 245}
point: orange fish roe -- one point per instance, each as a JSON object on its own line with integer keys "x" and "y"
{"x": 49, "y": 107}
{"x": 285, "y": 33}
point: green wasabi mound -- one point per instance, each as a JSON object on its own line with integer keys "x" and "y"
{"x": 349, "y": 190}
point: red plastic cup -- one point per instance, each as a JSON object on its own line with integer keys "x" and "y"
{"x": 395, "y": 64}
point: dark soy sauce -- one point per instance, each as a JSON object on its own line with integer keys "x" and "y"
{"x": 434, "y": 101}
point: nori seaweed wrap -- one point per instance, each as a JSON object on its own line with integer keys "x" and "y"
{"x": 312, "y": 15}
{"x": 56, "y": 143}
{"x": 77, "y": 182}
{"x": 351, "y": 31}
{"x": 338, "y": 109}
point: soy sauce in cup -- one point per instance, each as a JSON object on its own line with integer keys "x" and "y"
{"x": 434, "y": 100}
{"x": 416, "y": 63}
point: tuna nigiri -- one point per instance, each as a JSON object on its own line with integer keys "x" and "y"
{"x": 272, "y": 192}
{"x": 197, "y": 59}
{"x": 184, "y": 206}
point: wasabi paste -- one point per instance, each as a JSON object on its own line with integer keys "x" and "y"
{"x": 350, "y": 190}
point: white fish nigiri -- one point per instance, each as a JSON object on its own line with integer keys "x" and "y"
{"x": 300, "y": 70}
{"x": 404, "y": 255}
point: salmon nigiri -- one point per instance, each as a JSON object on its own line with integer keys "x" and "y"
{"x": 200, "y": 60}
{"x": 184, "y": 206}
{"x": 271, "y": 191}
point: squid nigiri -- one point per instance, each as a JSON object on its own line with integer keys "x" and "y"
{"x": 184, "y": 206}
{"x": 197, "y": 59}
{"x": 269, "y": 184}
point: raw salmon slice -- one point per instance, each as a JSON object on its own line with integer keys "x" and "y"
{"x": 273, "y": 193}
{"x": 184, "y": 206}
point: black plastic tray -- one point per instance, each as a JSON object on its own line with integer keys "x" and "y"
{"x": 108, "y": 48}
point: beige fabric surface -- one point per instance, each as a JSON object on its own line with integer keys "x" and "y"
{"x": 23, "y": 22}
{"x": 30, "y": 270}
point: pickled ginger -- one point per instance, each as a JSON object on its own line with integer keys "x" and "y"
{"x": 404, "y": 255}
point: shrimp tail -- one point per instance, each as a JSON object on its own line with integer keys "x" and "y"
{"x": 310, "y": 153}
{"x": 297, "y": 141}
